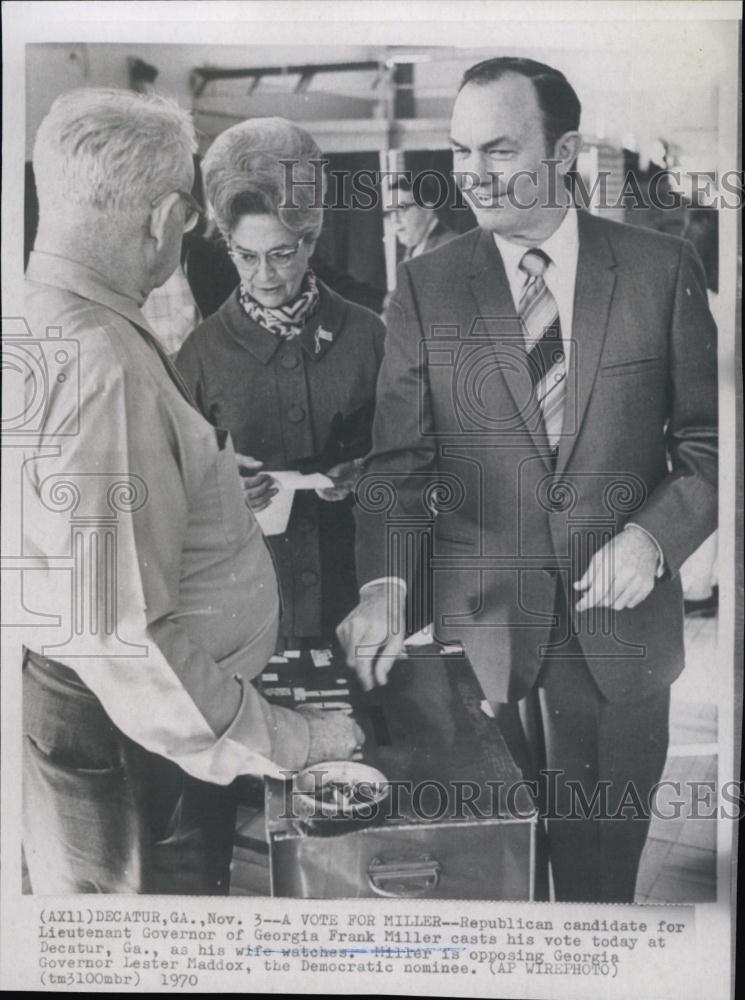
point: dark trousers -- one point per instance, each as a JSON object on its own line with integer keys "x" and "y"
{"x": 102, "y": 814}
{"x": 613, "y": 750}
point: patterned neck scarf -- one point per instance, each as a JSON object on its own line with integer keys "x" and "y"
{"x": 287, "y": 320}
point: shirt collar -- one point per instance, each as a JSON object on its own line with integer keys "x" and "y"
{"x": 561, "y": 246}
{"x": 60, "y": 272}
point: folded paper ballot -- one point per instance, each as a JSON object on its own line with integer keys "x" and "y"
{"x": 274, "y": 518}
{"x": 298, "y": 481}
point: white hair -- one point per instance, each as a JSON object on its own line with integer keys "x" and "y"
{"x": 111, "y": 150}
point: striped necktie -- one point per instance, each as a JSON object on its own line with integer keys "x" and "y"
{"x": 542, "y": 331}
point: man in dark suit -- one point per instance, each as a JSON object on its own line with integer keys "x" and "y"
{"x": 555, "y": 374}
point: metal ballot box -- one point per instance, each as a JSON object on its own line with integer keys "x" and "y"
{"x": 458, "y": 823}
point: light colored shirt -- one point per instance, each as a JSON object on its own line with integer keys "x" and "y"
{"x": 562, "y": 247}
{"x": 161, "y": 592}
{"x": 172, "y": 312}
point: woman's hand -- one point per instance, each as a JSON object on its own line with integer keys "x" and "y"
{"x": 344, "y": 477}
{"x": 258, "y": 487}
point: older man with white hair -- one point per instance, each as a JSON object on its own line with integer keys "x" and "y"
{"x": 139, "y": 709}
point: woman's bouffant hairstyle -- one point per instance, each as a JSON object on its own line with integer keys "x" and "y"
{"x": 266, "y": 166}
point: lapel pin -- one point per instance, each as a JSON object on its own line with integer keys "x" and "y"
{"x": 322, "y": 334}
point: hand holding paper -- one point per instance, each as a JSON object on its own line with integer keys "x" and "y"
{"x": 258, "y": 487}
{"x": 274, "y": 515}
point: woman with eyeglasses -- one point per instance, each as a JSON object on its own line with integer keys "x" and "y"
{"x": 287, "y": 365}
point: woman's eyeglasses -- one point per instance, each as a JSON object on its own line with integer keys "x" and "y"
{"x": 280, "y": 258}
{"x": 194, "y": 210}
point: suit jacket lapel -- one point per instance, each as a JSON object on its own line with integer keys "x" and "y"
{"x": 497, "y": 319}
{"x": 594, "y": 287}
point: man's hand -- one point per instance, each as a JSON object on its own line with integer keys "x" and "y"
{"x": 333, "y": 736}
{"x": 258, "y": 487}
{"x": 621, "y": 574}
{"x": 372, "y": 634}
{"x": 344, "y": 477}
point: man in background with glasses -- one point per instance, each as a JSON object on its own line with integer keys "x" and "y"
{"x": 152, "y": 579}
{"x": 411, "y": 205}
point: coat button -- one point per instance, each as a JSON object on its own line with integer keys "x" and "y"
{"x": 296, "y": 414}
{"x": 308, "y": 577}
{"x": 289, "y": 360}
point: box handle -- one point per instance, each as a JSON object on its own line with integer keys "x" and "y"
{"x": 403, "y": 874}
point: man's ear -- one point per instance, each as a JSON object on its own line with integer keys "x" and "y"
{"x": 567, "y": 149}
{"x": 160, "y": 219}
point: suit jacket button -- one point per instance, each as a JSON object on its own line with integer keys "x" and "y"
{"x": 296, "y": 414}
{"x": 308, "y": 578}
{"x": 289, "y": 361}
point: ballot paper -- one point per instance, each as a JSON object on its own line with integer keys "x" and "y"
{"x": 273, "y": 519}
